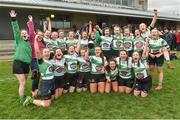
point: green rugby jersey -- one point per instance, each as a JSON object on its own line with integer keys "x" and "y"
{"x": 62, "y": 44}
{"x": 84, "y": 65}
{"x": 139, "y": 44}
{"x": 140, "y": 70}
{"x": 106, "y": 43}
{"x": 59, "y": 67}
{"x": 157, "y": 46}
{"x": 46, "y": 69}
{"x": 97, "y": 65}
{"x": 112, "y": 74}
{"x": 71, "y": 63}
{"x": 23, "y": 50}
{"x": 128, "y": 43}
{"x": 117, "y": 43}
{"x": 125, "y": 68}
{"x": 73, "y": 42}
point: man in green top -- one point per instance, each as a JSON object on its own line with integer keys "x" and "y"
{"x": 22, "y": 56}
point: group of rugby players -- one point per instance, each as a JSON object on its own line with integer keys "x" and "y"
{"x": 97, "y": 60}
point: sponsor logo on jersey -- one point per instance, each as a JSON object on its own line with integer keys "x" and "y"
{"x": 118, "y": 43}
{"x": 105, "y": 45}
{"x": 85, "y": 66}
{"x": 140, "y": 75}
{"x": 139, "y": 44}
{"x": 127, "y": 45}
{"x": 98, "y": 68}
{"x": 123, "y": 73}
{"x": 59, "y": 69}
{"x": 49, "y": 45}
{"x": 73, "y": 65}
{"x": 51, "y": 69}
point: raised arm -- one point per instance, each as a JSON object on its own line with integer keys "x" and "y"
{"x": 145, "y": 53}
{"x": 30, "y": 25}
{"x": 78, "y": 44}
{"x": 15, "y": 26}
{"x": 36, "y": 47}
{"x": 49, "y": 24}
{"x": 154, "y": 19}
{"x": 90, "y": 27}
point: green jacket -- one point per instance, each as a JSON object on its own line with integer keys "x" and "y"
{"x": 23, "y": 50}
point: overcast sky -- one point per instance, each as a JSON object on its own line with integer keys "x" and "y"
{"x": 171, "y": 6}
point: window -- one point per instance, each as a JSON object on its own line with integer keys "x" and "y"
{"x": 125, "y": 2}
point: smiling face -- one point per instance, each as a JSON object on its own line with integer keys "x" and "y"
{"x": 84, "y": 35}
{"x": 40, "y": 36}
{"x": 47, "y": 34}
{"x": 61, "y": 34}
{"x": 46, "y": 53}
{"x": 112, "y": 64}
{"x": 71, "y": 50}
{"x": 137, "y": 33}
{"x": 155, "y": 34}
{"x": 71, "y": 35}
{"x": 93, "y": 36}
{"x": 135, "y": 56}
{"x": 143, "y": 27}
{"x": 123, "y": 55}
{"x": 58, "y": 54}
{"x": 98, "y": 51}
{"x": 24, "y": 35}
{"x": 82, "y": 52}
{"x": 117, "y": 31}
{"x": 126, "y": 32}
{"x": 54, "y": 36}
{"x": 106, "y": 32}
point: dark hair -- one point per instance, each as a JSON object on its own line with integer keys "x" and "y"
{"x": 138, "y": 64}
{"x": 106, "y": 28}
{"x": 108, "y": 67}
{"x": 126, "y": 59}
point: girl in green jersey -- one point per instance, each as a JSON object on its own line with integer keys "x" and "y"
{"x": 22, "y": 56}
{"x": 142, "y": 74}
{"x": 111, "y": 74}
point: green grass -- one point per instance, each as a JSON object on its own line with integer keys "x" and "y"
{"x": 159, "y": 104}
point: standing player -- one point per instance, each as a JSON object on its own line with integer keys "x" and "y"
{"x": 157, "y": 46}
{"x": 22, "y": 56}
{"x": 117, "y": 42}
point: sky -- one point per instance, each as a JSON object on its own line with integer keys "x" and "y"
{"x": 171, "y": 6}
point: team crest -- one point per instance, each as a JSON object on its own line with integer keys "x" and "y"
{"x": 139, "y": 44}
{"x": 73, "y": 65}
{"x": 127, "y": 45}
{"x": 140, "y": 75}
{"x": 98, "y": 68}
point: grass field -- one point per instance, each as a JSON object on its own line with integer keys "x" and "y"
{"x": 163, "y": 104}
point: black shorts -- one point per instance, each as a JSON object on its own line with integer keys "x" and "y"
{"x": 20, "y": 67}
{"x": 59, "y": 81}
{"x": 70, "y": 80}
{"x": 47, "y": 89}
{"x": 156, "y": 61}
{"x": 126, "y": 82}
{"x": 83, "y": 78}
{"x": 144, "y": 84}
{"x": 95, "y": 78}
